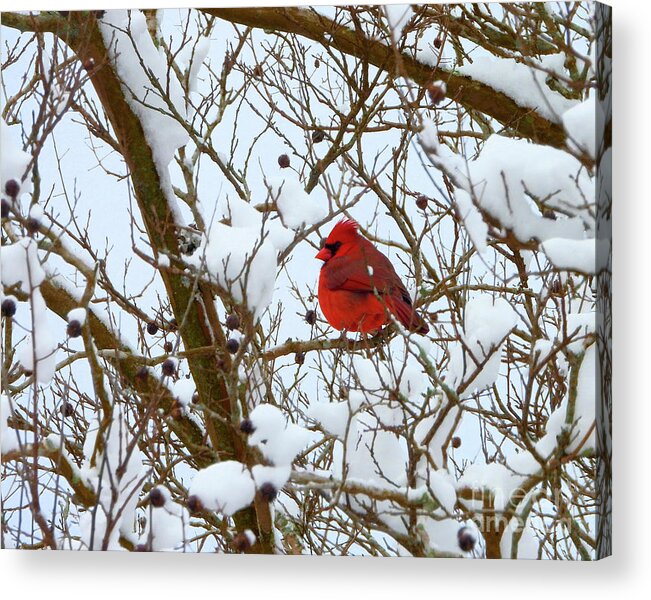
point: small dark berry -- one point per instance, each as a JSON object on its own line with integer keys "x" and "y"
{"x": 283, "y": 161}
{"x": 437, "y": 91}
{"x": 169, "y": 367}
{"x": 5, "y": 209}
{"x": 195, "y": 398}
{"x": 67, "y": 410}
{"x": 32, "y": 225}
{"x": 232, "y": 321}
{"x": 318, "y": 136}
{"x": 232, "y": 345}
{"x": 142, "y": 548}
{"x": 194, "y": 504}
{"x": 456, "y": 442}
{"x": 177, "y": 411}
{"x": 152, "y": 328}
{"x": 89, "y": 64}
{"x": 549, "y": 214}
{"x": 74, "y": 329}
{"x": 142, "y": 374}
{"x": 156, "y": 497}
{"x": 257, "y": 72}
{"x": 317, "y": 63}
{"x": 310, "y": 317}
{"x": 299, "y": 357}
{"x": 241, "y": 542}
{"x": 64, "y": 13}
{"x": 168, "y": 347}
{"x": 268, "y": 492}
{"x": 12, "y": 188}
{"x": 8, "y": 308}
{"x": 421, "y": 202}
{"x": 246, "y": 427}
{"x": 438, "y": 42}
{"x": 466, "y": 539}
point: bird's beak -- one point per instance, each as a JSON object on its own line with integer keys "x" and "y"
{"x": 324, "y": 254}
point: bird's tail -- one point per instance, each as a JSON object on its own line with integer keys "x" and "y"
{"x": 407, "y": 316}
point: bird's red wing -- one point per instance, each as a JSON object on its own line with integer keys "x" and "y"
{"x": 362, "y": 273}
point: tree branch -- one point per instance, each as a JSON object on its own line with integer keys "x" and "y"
{"x": 464, "y": 90}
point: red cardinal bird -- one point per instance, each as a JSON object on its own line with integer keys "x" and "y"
{"x": 358, "y": 286}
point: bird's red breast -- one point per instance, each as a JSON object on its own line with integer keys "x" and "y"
{"x": 359, "y": 288}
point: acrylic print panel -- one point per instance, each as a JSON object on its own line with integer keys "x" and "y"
{"x": 327, "y": 281}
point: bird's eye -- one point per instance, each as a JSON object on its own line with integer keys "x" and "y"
{"x": 333, "y": 247}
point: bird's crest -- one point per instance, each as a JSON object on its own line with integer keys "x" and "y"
{"x": 344, "y": 231}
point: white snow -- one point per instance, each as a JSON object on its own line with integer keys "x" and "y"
{"x": 374, "y": 455}
{"x": 438, "y": 441}
{"x": 429, "y": 135}
{"x": 442, "y": 533}
{"x": 370, "y": 376}
{"x": 250, "y": 536}
{"x": 168, "y": 525}
{"x": 524, "y": 84}
{"x": 573, "y": 255}
{"x": 59, "y": 99}
{"x": 398, "y": 16}
{"x": 13, "y": 161}
{"x": 240, "y": 263}
{"x": 411, "y": 380}
{"x": 21, "y": 267}
{"x": 493, "y": 477}
{"x": 225, "y": 487}
{"x": 277, "y": 476}
{"x": 542, "y": 350}
{"x": 584, "y": 407}
{"x": 139, "y": 64}
{"x": 92, "y": 528}
{"x": 268, "y": 420}
{"x": 528, "y": 543}
{"x": 116, "y": 475}
{"x": 198, "y": 58}
{"x": 487, "y": 322}
{"x": 472, "y": 220}
{"x": 580, "y": 123}
{"x": 279, "y": 441}
{"x": 77, "y": 314}
{"x": 243, "y": 214}
{"x": 508, "y": 169}
{"x": 183, "y": 390}
{"x": 580, "y": 324}
{"x": 442, "y": 485}
{"x": 8, "y": 437}
{"x": 297, "y": 208}
{"x": 332, "y": 416}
